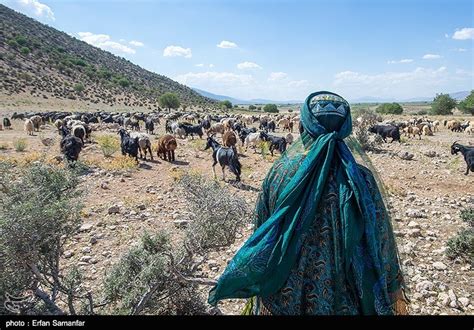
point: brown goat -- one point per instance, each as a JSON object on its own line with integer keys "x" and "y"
{"x": 166, "y": 146}
{"x": 229, "y": 139}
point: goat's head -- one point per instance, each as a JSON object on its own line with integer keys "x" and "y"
{"x": 455, "y": 148}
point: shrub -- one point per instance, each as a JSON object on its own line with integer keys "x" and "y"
{"x": 169, "y": 100}
{"x": 20, "y": 144}
{"x": 421, "y": 112}
{"x": 79, "y": 87}
{"x": 25, "y": 50}
{"x": 467, "y": 105}
{"x": 443, "y": 104}
{"x": 252, "y": 107}
{"x": 124, "y": 82}
{"x": 467, "y": 215}
{"x": 225, "y": 104}
{"x": 272, "y": 108}
{"x": 109, "y": 144}
{"x": 39, "y": 212}
{"x": 390, "y": 108}
{"x": 462, "y": 245}
{"x": 120, "y": 163}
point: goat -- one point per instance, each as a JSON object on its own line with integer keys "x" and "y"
{"x": 129, "y": 145}
{"x": 149, "y": 126}
{"x": 252, "y": 139}
{"x": 70, "y": 145}
{"x": 37, "y": 121}
{"x": 225, "y": 157}
{"x": 276, "y": 142}
{"x": 79, "y": 131}
{"x": 386, "y": 131}
{"x": 166, "y": 146}
{"x": 467, "y": 152}
{"x": 192, "y": 129}
{"x": 29, "y": 127}
{"x": 229, "y": 139}
{"x": 7, "y": 123}
{"x": 144, "y": 143}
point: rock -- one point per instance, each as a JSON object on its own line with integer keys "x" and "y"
{"x": 424, "y": 285}
{"x": 406, "y": 155}
{"x": 464, "y": 301}
{"x": 413, "y": 224}
{"x": 430, "y": 153}
{"x": 412, "y": 213}
{"x": 104, "y": 186}
{"x": 114, "y": 209}
{"x": 86, "y": 249}
{"x": 86, "y": 227}
{"x": 141, "y": 207}
{"x": 212, "y": 263}
{"x": 180, "y": 223}
{"x": 68, "y": 254}
{"x": 439, "y": 265}
{"x": 443, "y": 298}
{"x": 85, "y": 259}
{"x": 93, "y": 240}
{"x": 414, "y": 232}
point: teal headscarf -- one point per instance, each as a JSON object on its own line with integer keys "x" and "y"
{"x": 263, "y": 264}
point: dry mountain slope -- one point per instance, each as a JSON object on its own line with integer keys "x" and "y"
{"x": 38, "y": 60}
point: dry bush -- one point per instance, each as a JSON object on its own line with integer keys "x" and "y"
{"x": 20, "y": 144}
{"x": 120, "y": 163}
{"x": 109, "y": 144}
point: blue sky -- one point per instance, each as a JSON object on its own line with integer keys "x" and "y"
{"x": 282, "y": 50}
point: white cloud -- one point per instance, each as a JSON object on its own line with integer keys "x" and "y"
{"x": 210, "y": 78}
{"x": 298, "y": 83}
{"x": 277, "y": 76}
{"x": 38, "y": 8}
{"x": 211, "y": 65}
{"x": 405, "y": 60}
{"x": 104, "y": 41}
{"x": 248, "y": 65}
{"x": 136, "y": 43}
{"x": 419, "y": 82}
{"x": 459, "y": 49}
{"x": 227, "y": 44}
{"x": 173, "y": 51}
{"x": 446, "y": 35}
{"x": 200, "y": 65}
{"x": 464, "y": 34}
{"x": 431, "y": 56}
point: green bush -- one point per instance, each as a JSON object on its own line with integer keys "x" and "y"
{"x": 462, "y": 245}
{"x": 12, "y": 43}
{"x": 467, "y": 215}
{"x": 272, "y": 108}
{"x": 390, "y": 108}
{"x": 467, "y": 105}
{"x": 109, "y": 144}
{"x": 124, "y": 82}
{"x": 169, "y": 100}
{"x": 252, "y": 107}
{"x": 20, "y": 144}
{"x": 79, "y": 87}
{"x": 25, "y": 50}
{"x": 22, "y": 41}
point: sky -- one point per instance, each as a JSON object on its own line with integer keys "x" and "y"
{"x": 281, "y": 50}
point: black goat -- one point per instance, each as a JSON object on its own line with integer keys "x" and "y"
{"x": 225, "y": 157}
{"x": 149, "y": 126}
{"x": 7, "y": 123}
{"x": 70, "y": 145}
{"x": 278, "y": 143}
{"x": 386, "y": 131}
{"x": 128, "y": 145}
{"x": 246, "y": 131}
{"x": 467, "y": 152}
{"x": 191, "y": 130}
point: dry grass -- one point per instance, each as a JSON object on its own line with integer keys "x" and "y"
{"x": 20, "y": 144}
{"x": 109, "y": 144}
{"x": 119, "y": 163}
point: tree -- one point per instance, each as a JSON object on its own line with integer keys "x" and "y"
{"x": 252, "y": 107}
{"x": 226, "y": 104}
{"x": 467, "y": 106}
{"x": 443, "y": 104}
{"x": 169, "y": 100}
{"x": 390, "y": 108}
{"x": 270, "y": 108}
{"x": 79, "y": 87}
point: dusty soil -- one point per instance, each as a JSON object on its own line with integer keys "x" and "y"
{"x": 426, "y": 195}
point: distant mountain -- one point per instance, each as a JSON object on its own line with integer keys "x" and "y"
{"x": 38, "y": 60}
{"x": 239, "y": 101}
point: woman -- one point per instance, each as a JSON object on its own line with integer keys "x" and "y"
{"x": 323, "y": 242}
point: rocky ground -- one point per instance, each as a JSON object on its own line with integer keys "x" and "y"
{"x": 425, "y": 193}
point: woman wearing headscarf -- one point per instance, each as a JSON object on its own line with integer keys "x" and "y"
{"x": 323, "y": 243}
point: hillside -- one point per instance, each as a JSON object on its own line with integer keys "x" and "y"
{"x": 41, "y": 62}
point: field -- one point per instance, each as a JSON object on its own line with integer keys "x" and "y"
{"x": 426, "y": 195}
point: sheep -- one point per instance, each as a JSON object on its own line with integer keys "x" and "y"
{"x": 454, "y": 125}
{"x": 436, "y": 125}
{"x": 70, "y": 145}
{"x": 37, "y": 121}
{"x": 166, "y": 146}
{"x": 467, "y": 152}
{"x": 144, "y": 143}
{"x": 229, "y": 139}
{"x": 128, "y": 145}
{"x": 29, "y": 127}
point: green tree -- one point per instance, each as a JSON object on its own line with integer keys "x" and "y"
{"x": 79, "y": 87}
{"x": 467, "y": 106}
{"x": 169, "y": 100}
{"x": 25, "y": 50}
{"x": 124, "y": 82}
{"x": 443, "y": 104}
{"x": 390, "y": 108}
{"x": 270, "y": 108}
{"x": 252, "y": 107}
{"x": 226, "y": 104}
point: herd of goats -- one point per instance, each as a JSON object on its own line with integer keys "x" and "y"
{"x": 76, "y": 128}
